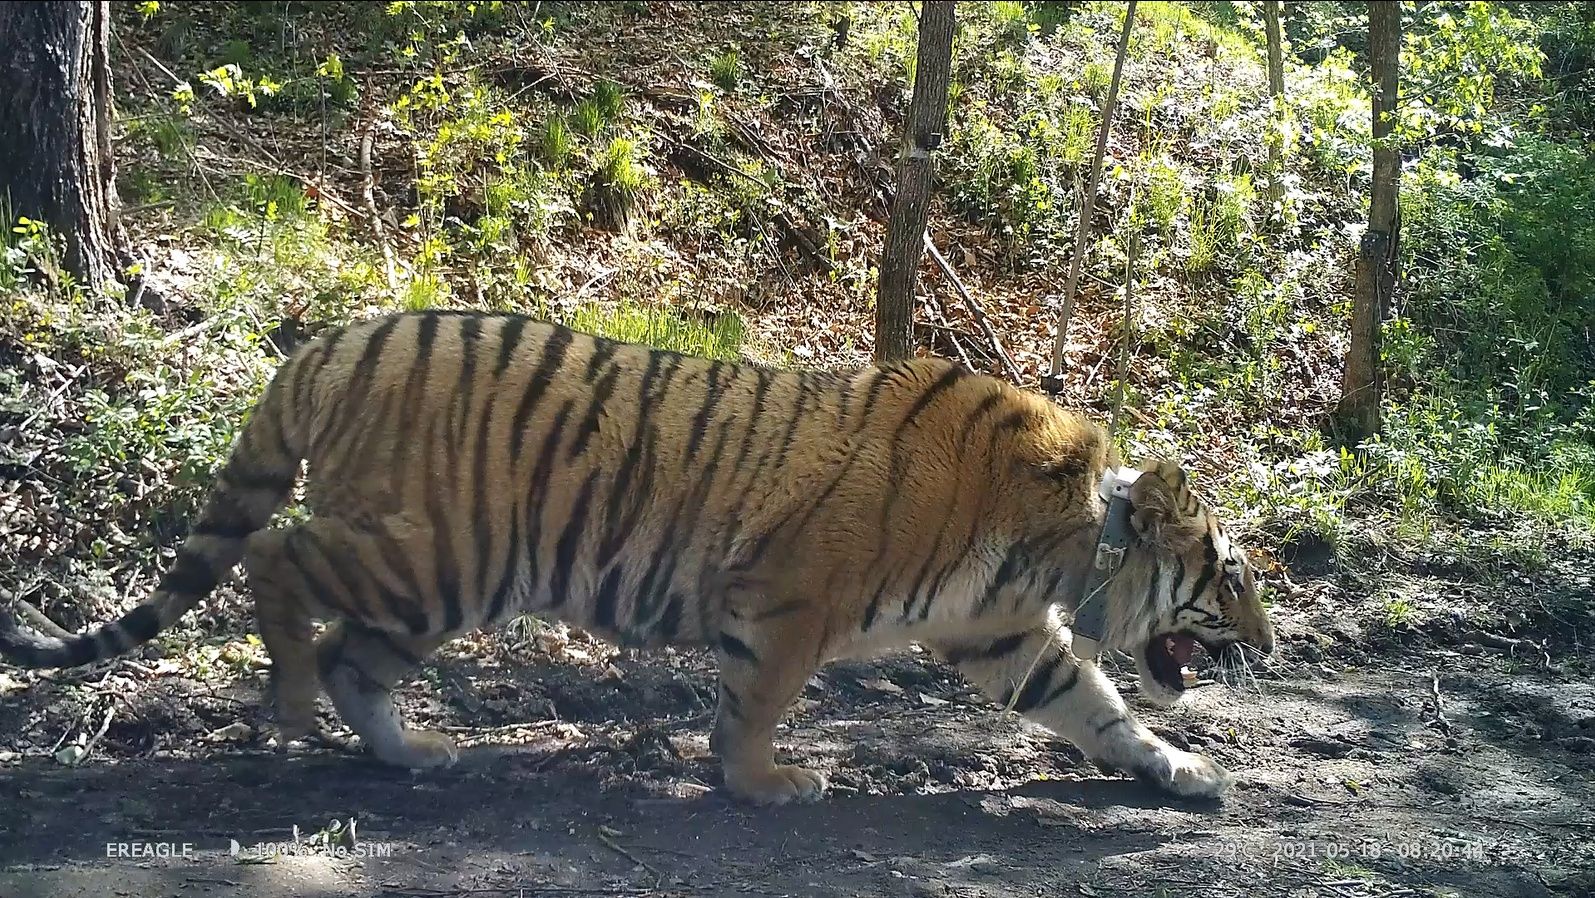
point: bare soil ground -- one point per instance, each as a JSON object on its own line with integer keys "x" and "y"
{"x": 1367, "y": 766}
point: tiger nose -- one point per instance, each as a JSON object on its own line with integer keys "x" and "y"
{"x": 1263, "y": 639}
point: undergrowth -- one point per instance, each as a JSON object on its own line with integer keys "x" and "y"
{"x": 713, "y": 202}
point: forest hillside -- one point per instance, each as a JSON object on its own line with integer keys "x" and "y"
{"x": 717, "y": 178}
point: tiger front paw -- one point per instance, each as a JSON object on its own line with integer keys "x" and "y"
{"x": 1187, "y": 774}
{"x": 776, "y": 784}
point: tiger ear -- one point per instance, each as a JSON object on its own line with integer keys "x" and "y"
{"x": 1162, "y": 507}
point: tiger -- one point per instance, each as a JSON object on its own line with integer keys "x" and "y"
{"x": 464, "y": 468}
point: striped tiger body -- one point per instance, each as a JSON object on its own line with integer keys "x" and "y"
{"x": 464, "y": 468}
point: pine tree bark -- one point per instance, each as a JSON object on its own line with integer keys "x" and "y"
{"x": 1276, "y": 97}
{"x": 55, "y": 131}
{"x": 922, "y": 134}
{"x": 1363, "y": 386}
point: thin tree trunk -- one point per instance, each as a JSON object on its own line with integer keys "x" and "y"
{"x": 1053, "y": 381}
{"x": 1276, "y": 98}
{"x": 922, "y": 134}
{"x": 55, "y": 130}
{"x": 1376, "y": 259}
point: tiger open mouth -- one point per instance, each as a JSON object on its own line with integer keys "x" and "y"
{"x": 1169, "y": 658}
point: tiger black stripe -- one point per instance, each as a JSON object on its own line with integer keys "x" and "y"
{"x": 402, "y": 606}
{"x": 754, "y": 472}
{"x": 762, "y": 542}
{"x": 392, "y": 646}
{"x": 873, "y": 609}
{"x": 509, "y": 340}
{"x": 1209, "y": 562}
{"x": 569, "y": 542}
{"x": 981, "y": 410}
{"x": 608, "y": 597}
{"x": 1102, "y": 728}
{"x": 940, "y": 580}
{"x": 1035, "y": 691}
{"x": 924, "y": 573}
{"x": 603, "y": 352}
{"x": 414, "y": 383}
{"x": 595, "y": 410}
{"x": 541, "y": 476}
{"x": 794, "y": 418}
{"x": 781, "y": 609}
{"x": 312, "y": 580}
{"x": 661, "y": 570}
{"x": 899, "y": 463}
{"x": 234, "y": 527}
{"x": 761, "y": 390}
{"x": 732, "y": 701}
{"x": 669, "y": 626}
{"x": 553, "y": 357}
{"x": 1007, "y": 572}
{"x": 357, "y": 390}
{"x": 445, "y": 564}
{"x": 1068, "y": 683}
{"x": 707, "y": 478}
{"x": 460, "y": 401}
{"x": 190, "y": 574}
{"x": 142, "y": 623}
{"x": 997, "y": 648}
{"x": 341, "y": 573}
{"x": 256, "y": 481}
{"x": 501, "y": 593}
{"x": 639, "y": 453}
{"x": 700, "y": 421}
{"x": 737, "y": 649}
{"x": 307, "y": 374}
{"x": 479, "y": 499}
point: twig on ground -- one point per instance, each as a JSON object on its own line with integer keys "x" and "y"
{"x": 49, "y": 401}
{"x": 40, "y": 621}
{"x": 621, "y": 850}
{"x": 192, "y": 330}
{"x": 1439, "y": 703}
{"x": 975, "y": 309}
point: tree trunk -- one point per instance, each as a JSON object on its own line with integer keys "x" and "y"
{"x": 1052, "y": 382}
{"x": 55, "y": 131}
{"x": 1376, "y": 259}
{"x": 922, "y": 134}
{"x": 1276, "y": 97}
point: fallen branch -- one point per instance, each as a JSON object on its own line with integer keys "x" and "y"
{"x": 41, "y": 622}
{"x": 975, "y": 308}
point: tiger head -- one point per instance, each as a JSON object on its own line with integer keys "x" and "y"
{"x": 1184, "y": 584}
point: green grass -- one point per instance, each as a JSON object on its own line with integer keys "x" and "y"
{"x": 1559, "y": 498}
{"x": 725, "y": 70}
{"x": 610, "y": 98}
{"x": 720, "y": 338}
{"x": 587, "y": 119}
{"x": 554, "y": 143}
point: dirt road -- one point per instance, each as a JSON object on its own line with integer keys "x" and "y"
{"x": 1351, "y": 783}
